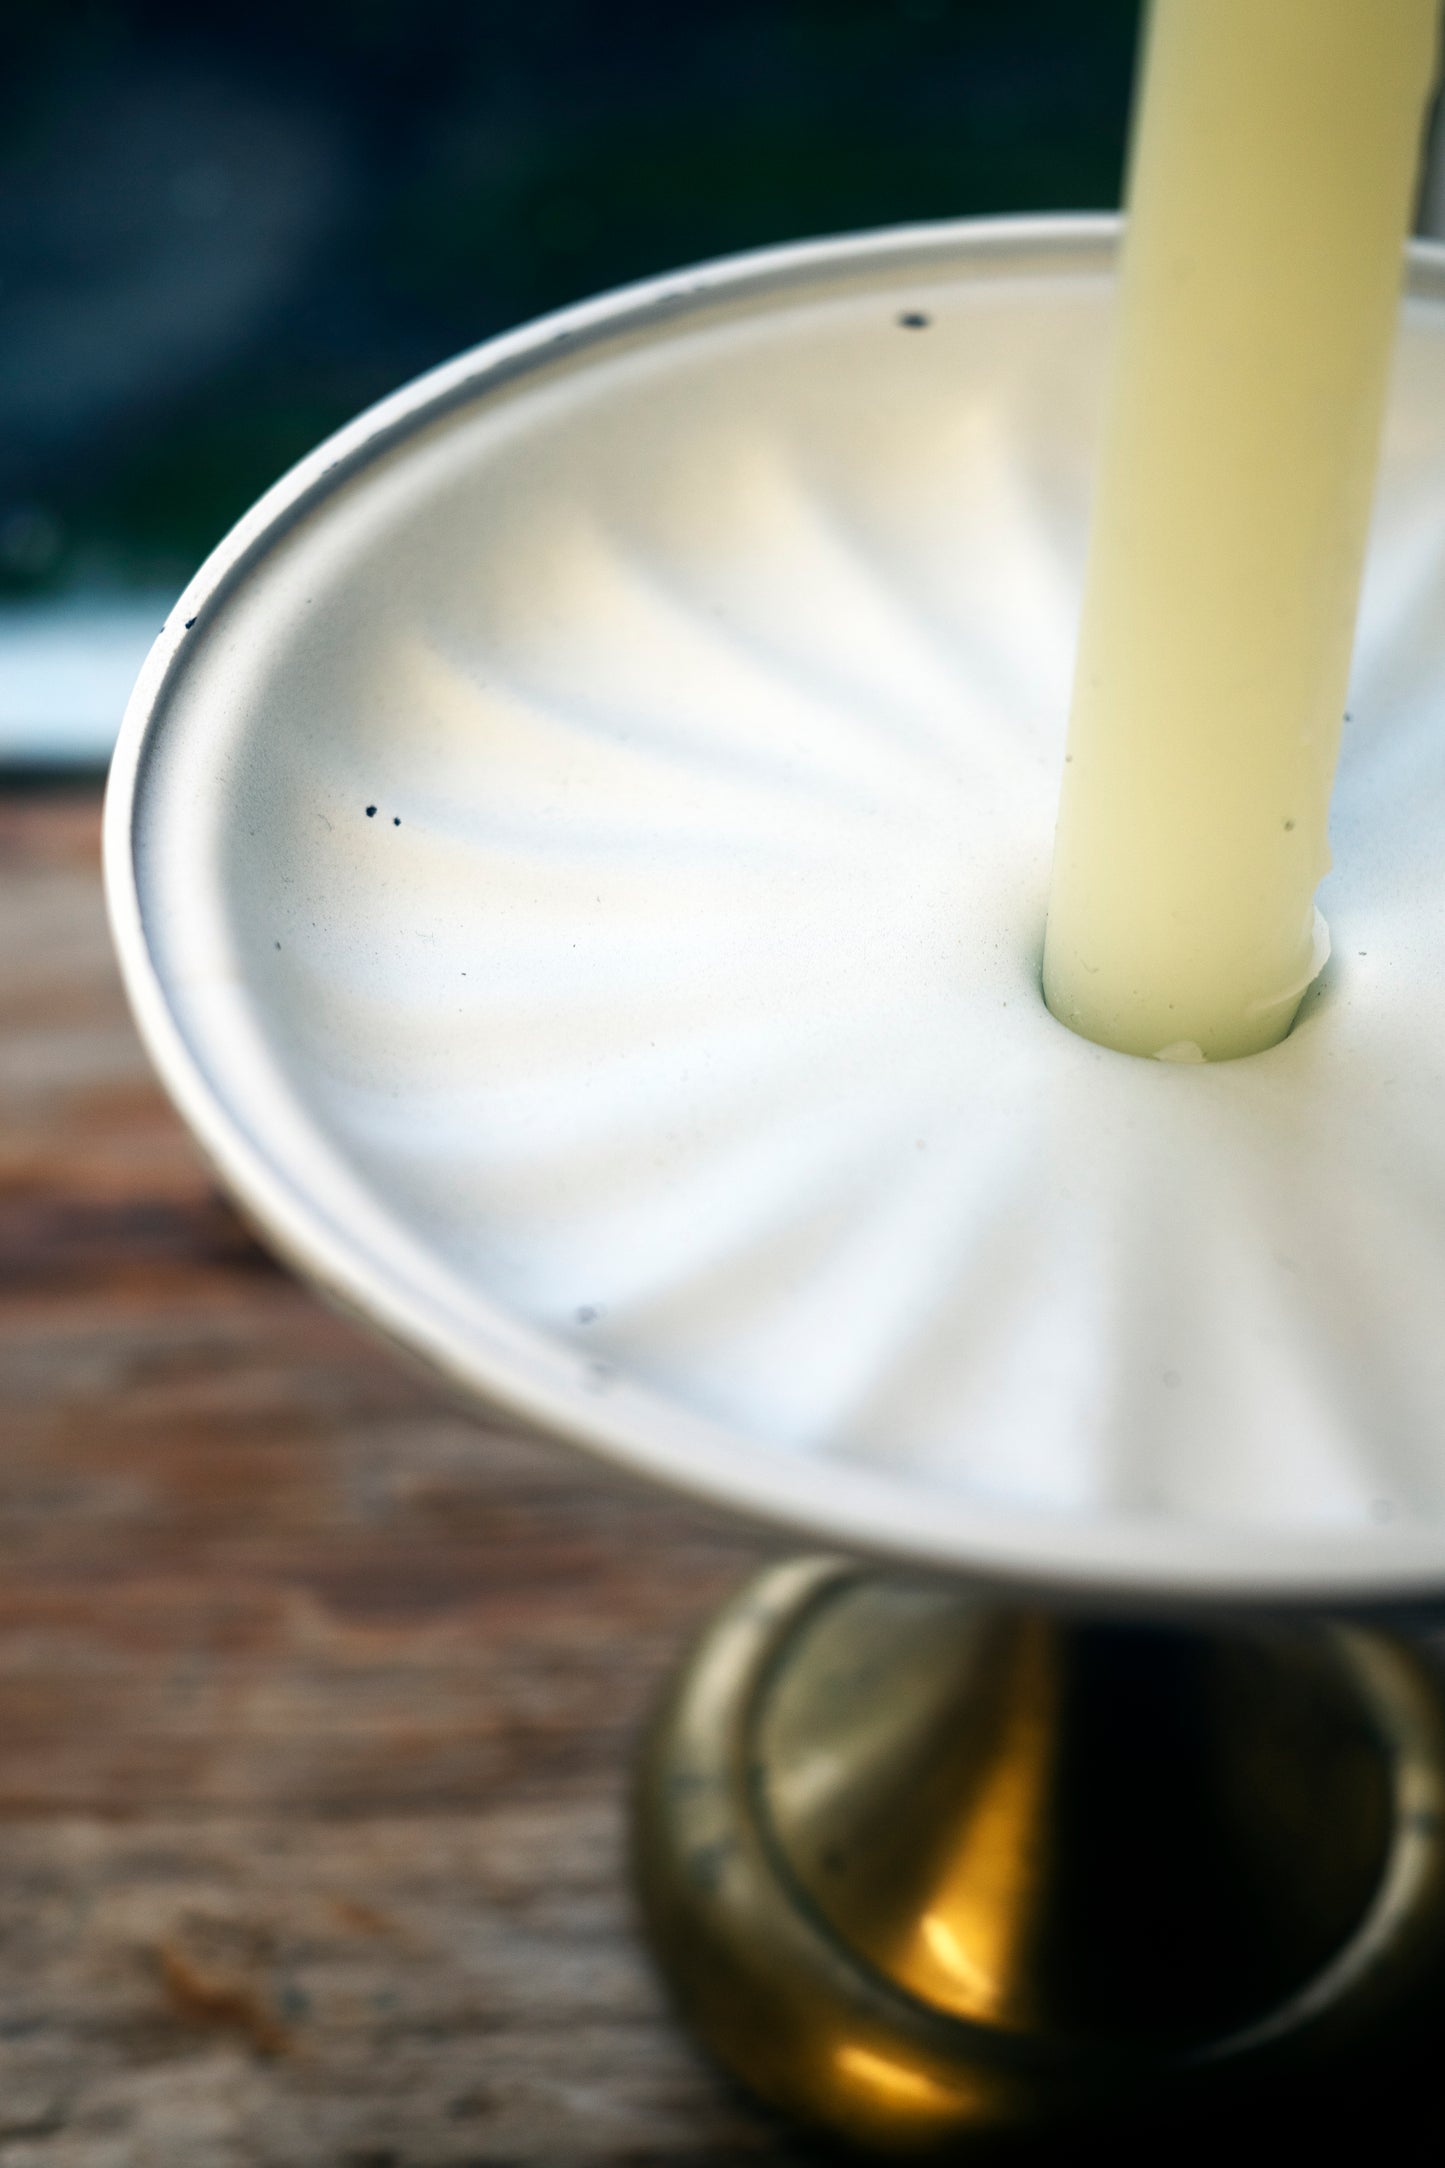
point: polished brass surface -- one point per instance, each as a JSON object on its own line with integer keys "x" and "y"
{"x": 919, "y": 1867}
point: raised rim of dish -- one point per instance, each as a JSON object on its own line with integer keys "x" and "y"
{"x": 1161, "y": 1558}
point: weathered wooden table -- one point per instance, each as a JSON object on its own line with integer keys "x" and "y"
{"x": 318, "y": 1698}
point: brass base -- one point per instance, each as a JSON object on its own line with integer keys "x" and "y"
{"x": 920, "y": 1868}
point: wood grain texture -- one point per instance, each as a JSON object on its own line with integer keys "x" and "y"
{"x": 317, "y": 1697}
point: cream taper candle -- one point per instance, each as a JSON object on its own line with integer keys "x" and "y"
{"x": 1270, "y": 190}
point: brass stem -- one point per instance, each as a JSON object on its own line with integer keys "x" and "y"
{"x": 918, "y": 1867}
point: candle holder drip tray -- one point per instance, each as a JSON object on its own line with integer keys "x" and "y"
{"x": 578, "y": 854}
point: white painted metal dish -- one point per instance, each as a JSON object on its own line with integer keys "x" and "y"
{"x": 578, "y": 855}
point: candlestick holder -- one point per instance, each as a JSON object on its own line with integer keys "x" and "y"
{"x": 578, "y": 856}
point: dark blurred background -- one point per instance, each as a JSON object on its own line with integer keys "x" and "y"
{"x": 224, "y": 231}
